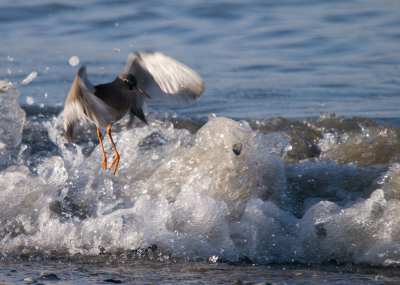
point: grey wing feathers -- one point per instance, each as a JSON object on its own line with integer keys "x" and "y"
{"x": 164, "y": 78}
{"x": 81, "y": 104}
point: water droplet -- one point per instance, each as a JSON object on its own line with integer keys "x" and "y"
{"x": 30, "y": 100}
{"x": 211, "y": 116}
{"x": 74, "y": 61}
{"x": 29, "y": 78}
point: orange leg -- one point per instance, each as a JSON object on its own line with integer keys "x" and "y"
{"x": 102, "y": 148}
{"x": 116, "y": 156}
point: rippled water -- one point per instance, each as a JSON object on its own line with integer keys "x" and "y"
{"x": 259, "y": 59}
{"x": 178, "y": 272}
{"x": 317, "y": 192}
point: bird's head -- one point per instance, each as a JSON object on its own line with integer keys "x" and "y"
{"x": 130, "y": 82}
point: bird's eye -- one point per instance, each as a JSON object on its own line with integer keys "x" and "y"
{"x": 125, "y": 81}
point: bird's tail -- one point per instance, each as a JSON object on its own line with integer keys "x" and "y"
{"x": 136, "y": 111}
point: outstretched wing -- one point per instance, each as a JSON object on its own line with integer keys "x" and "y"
{"x": 164, "y": 78}
{"x": 81, "y": 104}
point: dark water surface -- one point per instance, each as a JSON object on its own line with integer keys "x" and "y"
{"x": 180, "y": 272}
{"x": 260, "y": 59}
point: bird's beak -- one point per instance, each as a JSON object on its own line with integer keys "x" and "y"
{"x": 137, "y": 89}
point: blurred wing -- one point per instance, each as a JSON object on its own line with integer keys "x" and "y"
{"x": 97, "y": 110}
{"x": 164, "y": 78}
{"x": 81, "y": 104}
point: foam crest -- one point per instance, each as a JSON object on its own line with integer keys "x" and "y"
{"x": 12, "y": 119}
{"x": 224, "y": 193}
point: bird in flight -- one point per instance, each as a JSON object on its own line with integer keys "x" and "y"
{"x": 147, "y": 75}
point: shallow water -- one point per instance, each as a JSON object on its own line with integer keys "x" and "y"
{"x": 199, "y": 197}
{"x": 180, "y": 272}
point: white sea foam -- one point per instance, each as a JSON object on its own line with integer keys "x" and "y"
{"x": 12, "y": 119}
{"x": 194, "y": 197}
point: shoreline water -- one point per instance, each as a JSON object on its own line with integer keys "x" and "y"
{"x": 308, "y": 136}
{"x": 185, "y": 272}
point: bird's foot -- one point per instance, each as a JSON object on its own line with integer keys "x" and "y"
{"x": 105, "y": 163}
{"x": 116, "y": 161}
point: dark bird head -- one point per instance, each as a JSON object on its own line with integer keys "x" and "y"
{"x": 128, "y": 81}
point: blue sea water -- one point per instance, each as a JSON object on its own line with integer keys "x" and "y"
{"x": 259, "y": 59}
{"x": 308, "y": 187}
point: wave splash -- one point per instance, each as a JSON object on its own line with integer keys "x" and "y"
{"x": 226, "y": 192}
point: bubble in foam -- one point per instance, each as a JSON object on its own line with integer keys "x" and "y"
{"x": 74, "y": 61}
